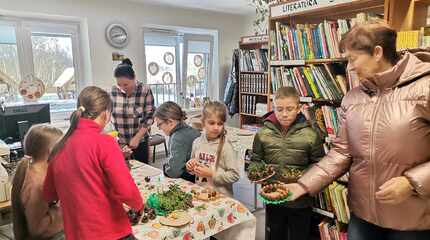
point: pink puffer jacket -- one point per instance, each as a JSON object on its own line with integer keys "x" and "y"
{"x": 384, "y": 133}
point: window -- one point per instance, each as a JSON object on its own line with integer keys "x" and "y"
{"x": 39, "y": 52}
{"x": 177, "y": 65}
{"x": 161, "y": 70}
{"x": 10, "y": 75}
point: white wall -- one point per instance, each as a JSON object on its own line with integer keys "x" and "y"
{"x": 97, "y": 14}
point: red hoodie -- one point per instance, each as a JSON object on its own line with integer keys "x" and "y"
{"x": 91, "y": 180}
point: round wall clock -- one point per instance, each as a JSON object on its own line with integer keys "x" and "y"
{"x": 117, "y": 35}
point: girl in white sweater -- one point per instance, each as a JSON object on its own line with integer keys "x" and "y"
{"x": 213, "y": 159}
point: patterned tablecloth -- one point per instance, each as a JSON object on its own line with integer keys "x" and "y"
{"x": 209, "y": 218}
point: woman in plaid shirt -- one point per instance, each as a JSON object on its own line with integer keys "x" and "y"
{"x": 133, "y": 109}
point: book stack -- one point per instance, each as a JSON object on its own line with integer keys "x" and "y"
{"x": 254, "y": 60}
{"x": 249, "y": 104}
{"x": 316, "y": 81}
{"x": 408, "y": 39}
{"x": 334, "y": 199}
{"x": 329, "y": 231}
{"x": 253, "y": 83}
{"x": 413, "y": 39}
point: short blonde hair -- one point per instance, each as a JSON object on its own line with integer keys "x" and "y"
{"x": 285, "y": 92}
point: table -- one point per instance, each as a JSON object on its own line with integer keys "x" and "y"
{"x": 222, "y": 214}
{"x": 242, "y": 140}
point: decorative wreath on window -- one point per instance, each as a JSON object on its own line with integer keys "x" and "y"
{"x": 31, "y": 88}
{"x": 153, "y": 68}
{"x": 201, "y": 73}
{"x": 192, "y": 79}
{"x": 198, "y": 60}
{"x": 169, "y": 58}
{"x": 167, "y": 78}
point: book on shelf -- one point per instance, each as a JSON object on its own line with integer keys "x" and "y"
{"x": 413, "y": 39}
{"x": 325, "y": 120}
{"x": 316, "y": 81}
{"x": 330, "y": 231}
{"x": 253, "y": 83}
{"x": 253, "y": 60}
{"x": 311, "y": 41}
{"x": 334, "y": 199}
{"x": 248, "y": 104}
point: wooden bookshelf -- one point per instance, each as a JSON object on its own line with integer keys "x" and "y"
{"x": 406, "y": 15}
{"x": 306, "y": 62}
{"x": 259, "y": 95}
{"x": 400, "y": 14}
{"x": 323, "y": 212}
{"x": 249, "y": 115}
{"x": 252, "y": 72}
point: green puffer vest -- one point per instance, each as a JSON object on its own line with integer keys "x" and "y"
{"x": 299, "y": 147}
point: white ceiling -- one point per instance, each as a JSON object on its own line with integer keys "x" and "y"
{"x": 241, "y": 7}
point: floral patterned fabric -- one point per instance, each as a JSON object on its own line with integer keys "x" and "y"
{"x": 209, "y": 218}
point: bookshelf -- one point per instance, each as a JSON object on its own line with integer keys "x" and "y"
{"x": 303, "y": 53}
{"x": 253, "y": 79}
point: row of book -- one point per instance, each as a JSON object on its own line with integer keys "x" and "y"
{"x": 249, "y": 103}
{"x": 334, "y": 199}
{"x": 306, "y": 41}
{"x": 311, "y": 41}
{"x": 254, "y": 83}
{"x": 315, "y": 81}
{"x": 413, "y": 39}
{"x": 325, "y": 121}
{"x": 254, "y": 60}
{"x": 330, "y": 231}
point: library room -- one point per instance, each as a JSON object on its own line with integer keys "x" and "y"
{"x": 215, "y": 120}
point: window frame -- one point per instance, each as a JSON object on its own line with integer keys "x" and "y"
{"x": 24, "y": 29}
{"x": 181, "y": 55}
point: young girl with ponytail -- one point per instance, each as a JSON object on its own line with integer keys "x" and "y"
{"x": 33, "y": 218}
{"x": 213, "y": 159}
{"x": 89, "y": 176}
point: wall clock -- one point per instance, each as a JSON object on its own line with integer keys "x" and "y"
{"x": 117, "y": 35}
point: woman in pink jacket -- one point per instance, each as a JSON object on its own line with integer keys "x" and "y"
{"x": 383, "y": 142}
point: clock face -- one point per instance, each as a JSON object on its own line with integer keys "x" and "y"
{"x": 117, "y": 35}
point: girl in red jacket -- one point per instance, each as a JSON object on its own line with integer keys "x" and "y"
{"x": 89, "y": 176}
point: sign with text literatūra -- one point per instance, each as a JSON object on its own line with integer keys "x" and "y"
{"x": 303, "y": 5}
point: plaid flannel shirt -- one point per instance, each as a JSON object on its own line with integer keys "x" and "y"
{"x": 130, "y": 113}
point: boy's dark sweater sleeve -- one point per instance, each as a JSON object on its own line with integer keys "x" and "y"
{"x": 118, "y": 175}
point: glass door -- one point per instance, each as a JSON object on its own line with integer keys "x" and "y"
{"x": 197, "y": 67}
